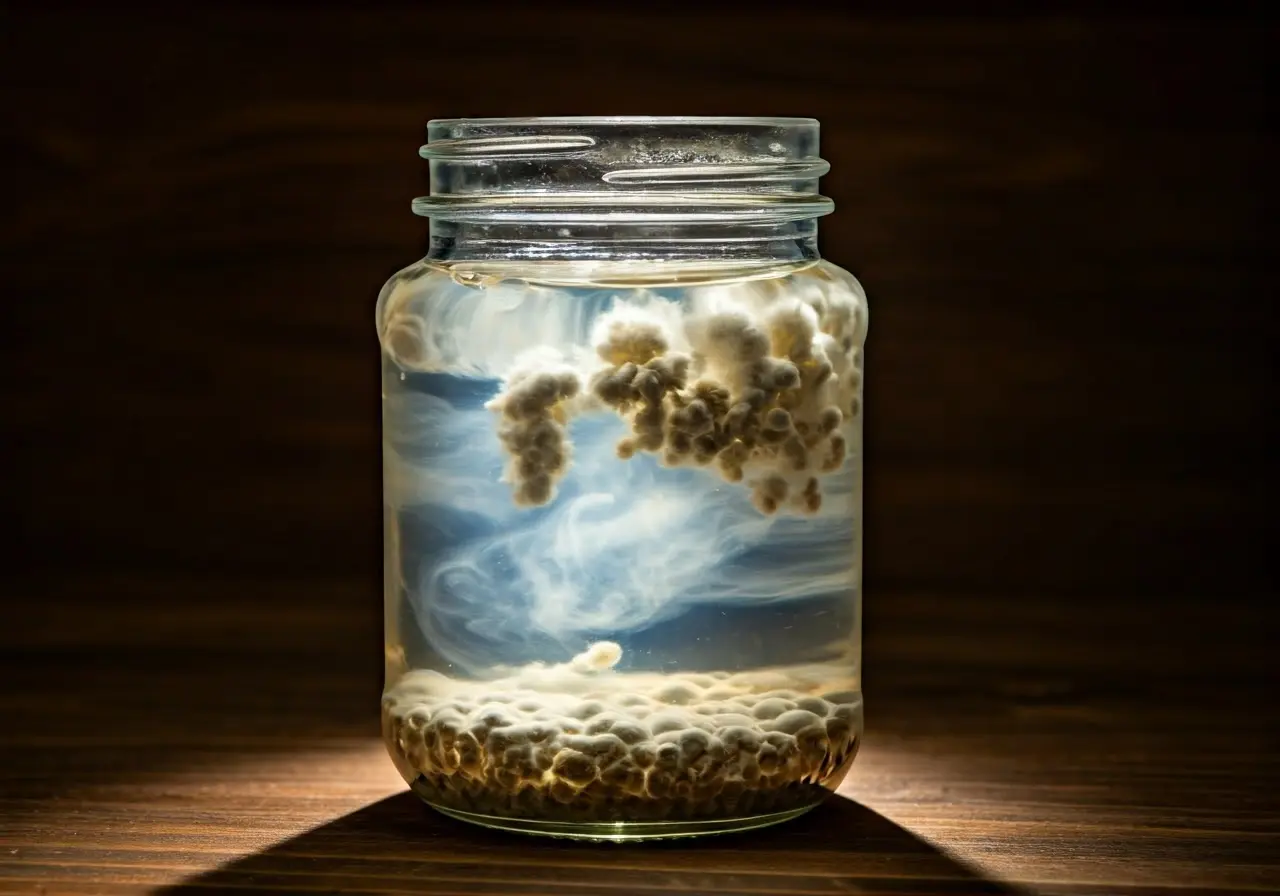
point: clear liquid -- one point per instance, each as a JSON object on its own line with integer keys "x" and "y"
{"x": 623, "y": 524}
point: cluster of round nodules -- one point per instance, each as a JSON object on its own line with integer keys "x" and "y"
{"x": 533, "y": 409}
{"x": 756, "y": 381}
{"x": 641, "y": 379}
{"x": 677, "y": 746}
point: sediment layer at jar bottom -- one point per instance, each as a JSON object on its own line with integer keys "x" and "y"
{"x": 575, "y": 743}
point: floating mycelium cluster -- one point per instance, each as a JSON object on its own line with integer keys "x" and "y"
{"x": 754, "y": 380}
{"x": 642, "y": 378}
{"x": 532, "y": 429}
{"x": 634, "y": 745}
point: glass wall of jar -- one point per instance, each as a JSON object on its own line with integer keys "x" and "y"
{"x": 622, "y": 410}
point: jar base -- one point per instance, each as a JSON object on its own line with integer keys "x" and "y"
{"x": 621, "y": 831}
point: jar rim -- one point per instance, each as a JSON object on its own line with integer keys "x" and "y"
{"x": 624, "y": 169}
{"x": 761, "y": 120}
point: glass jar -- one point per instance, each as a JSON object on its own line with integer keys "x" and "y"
{"x": 622, "y": 408}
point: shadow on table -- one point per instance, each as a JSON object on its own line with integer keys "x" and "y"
{"x": 399, "y": 845}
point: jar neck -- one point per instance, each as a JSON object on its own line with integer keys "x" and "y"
{"x": 624, "y": 189}
{"x": 788, "y": 242}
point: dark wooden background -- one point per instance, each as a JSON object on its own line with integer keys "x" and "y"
{"x": 1064, "y": 223}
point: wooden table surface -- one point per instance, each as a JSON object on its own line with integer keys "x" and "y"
{"x": 1013, "y": 745}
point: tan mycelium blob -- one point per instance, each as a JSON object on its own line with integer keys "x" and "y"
{"x": 532, "y": 430}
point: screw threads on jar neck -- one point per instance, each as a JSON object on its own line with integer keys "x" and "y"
{"x": 626, "y": 186}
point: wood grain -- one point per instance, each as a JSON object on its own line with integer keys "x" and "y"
{"x": 1014, "y": 746}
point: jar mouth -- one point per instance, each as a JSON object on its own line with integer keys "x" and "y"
{"x": 575, "y": 120}
{"x": 626, "y": 168}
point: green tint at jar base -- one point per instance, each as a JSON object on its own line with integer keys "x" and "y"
{"x": 622, "y": 476}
